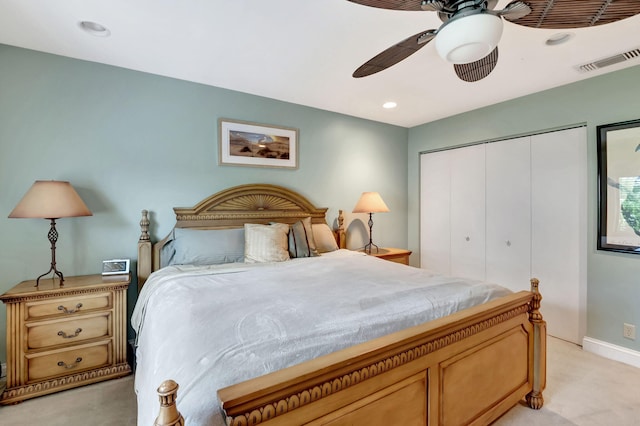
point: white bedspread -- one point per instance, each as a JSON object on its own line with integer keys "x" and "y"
{"x": 210, "y": 327}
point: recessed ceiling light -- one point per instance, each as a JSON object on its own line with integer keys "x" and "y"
{"x": 389, "y": 105}
{"x": 95, "y": 29}
{"x": 558, "y": 38}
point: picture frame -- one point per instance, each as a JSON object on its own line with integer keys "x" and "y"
{"x": 115, "y": 267}
{"x": 619, "y": 187}
{"x": 243, "y": 143}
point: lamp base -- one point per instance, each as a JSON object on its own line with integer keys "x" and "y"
{"x": 55, "y": 271}
{"x": 53, "y": 238}
{"x": 369, "y": 247}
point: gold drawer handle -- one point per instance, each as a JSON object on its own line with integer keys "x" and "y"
{"x": 69, "y": 336}
{"x": 67, "y": 311}
{"x": 69, "y": 366}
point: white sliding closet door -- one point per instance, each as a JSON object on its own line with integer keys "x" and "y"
{"x": 508, "y": 197}
{"x": 468, "y": 212}
{"x": 435, "y": 200}
{"x": 559, "y": 216}
{"x": 511, "y": 210}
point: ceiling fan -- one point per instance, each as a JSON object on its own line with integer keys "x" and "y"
{"x": 471, "y": 29}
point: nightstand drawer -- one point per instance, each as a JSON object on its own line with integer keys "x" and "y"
{"x": 69, "y": 361}
{"x": 400, "y": 259}
{"x": 68, "y": 305}
{"x": 60, "y": 332}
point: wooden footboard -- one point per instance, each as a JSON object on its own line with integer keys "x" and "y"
{"x": 466, "y": 368}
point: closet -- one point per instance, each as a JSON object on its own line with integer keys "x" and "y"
{"x": 509, "y": 210}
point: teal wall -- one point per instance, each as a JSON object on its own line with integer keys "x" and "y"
{"x": 129, "y": 141}
{"x": 613, "y": 286}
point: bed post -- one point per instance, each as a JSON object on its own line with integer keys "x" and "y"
{"x": 534, "y": 398}
{"x": 341, "y": 234}
{"x": 169, "y": 414}
{"x": 144, "y": 250}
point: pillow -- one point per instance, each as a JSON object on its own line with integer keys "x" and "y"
{"x": 167, "y": 252}
{"x": 265, "y": 243}
{"x": 207, "y": 246}
{"x": 301, "y": 241}
{"x": 324, "y": 238}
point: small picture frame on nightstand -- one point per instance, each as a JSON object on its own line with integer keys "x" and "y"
{"x": 115, "y": 267}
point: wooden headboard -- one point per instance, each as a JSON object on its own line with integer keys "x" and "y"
{"x": 232, "y": 208}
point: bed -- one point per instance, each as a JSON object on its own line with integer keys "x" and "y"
{"x": 378, "y": 357}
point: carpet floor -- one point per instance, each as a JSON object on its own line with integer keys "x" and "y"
{"x": 582, "y": 389}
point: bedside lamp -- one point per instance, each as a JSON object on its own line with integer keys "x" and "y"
{"x": 51, "y": 199}
{"x": 370, "y": 202}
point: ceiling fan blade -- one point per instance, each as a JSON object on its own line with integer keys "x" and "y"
{"x": 395, "y": 54}
{"x": 391, "y": 4}
{"x": 515, "y": 10}
{"x": 475, "y": 71}
{"x": 433, "y": 5}
{"x": 561, "y": 14}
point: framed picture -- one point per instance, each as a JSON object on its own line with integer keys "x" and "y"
{"x": 115, "y": 267}
{"x": 619, "y": 187}
{"x": 258, "y": 145}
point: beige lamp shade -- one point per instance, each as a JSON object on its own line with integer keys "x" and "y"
{"x": 50, "y": 199}
{"x": 370, "y": 202}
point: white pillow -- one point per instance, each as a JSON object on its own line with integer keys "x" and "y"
{"x": 324, "y": 238}
{"x": 265, "y": 243}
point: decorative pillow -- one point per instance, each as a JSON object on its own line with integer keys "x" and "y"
{"x": 301, "y": 241}
{"x": 207, "y": 246}
{"x": 265, "y": 243}
{"x": 324, "y": 238}
{"x": 167, "y": 252}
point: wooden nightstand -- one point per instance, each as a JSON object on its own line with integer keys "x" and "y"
{"x": 392, "y": 254}
{"x": 64, "y": 337}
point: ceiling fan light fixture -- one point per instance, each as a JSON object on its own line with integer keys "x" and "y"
{"x": 468, "y": 38}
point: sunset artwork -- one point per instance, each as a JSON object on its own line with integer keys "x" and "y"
{"x": 246, "y": 144}
{"x": 257, "y": 145}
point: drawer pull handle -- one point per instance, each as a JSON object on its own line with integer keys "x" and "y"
{"x": 67, "y": 311}
{"x": 69, "y": 336}
{"x": 69, "y": 366}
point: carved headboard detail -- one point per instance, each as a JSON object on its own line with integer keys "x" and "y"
{"x": 255, "y": 203}
{"x": 232, "y": 208}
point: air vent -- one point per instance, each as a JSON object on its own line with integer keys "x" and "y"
{"x": 612, "y": 60}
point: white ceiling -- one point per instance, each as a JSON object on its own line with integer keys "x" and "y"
{"x": 304, "y": 51}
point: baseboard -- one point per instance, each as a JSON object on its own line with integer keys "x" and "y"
{"x": 611, "y": 351}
